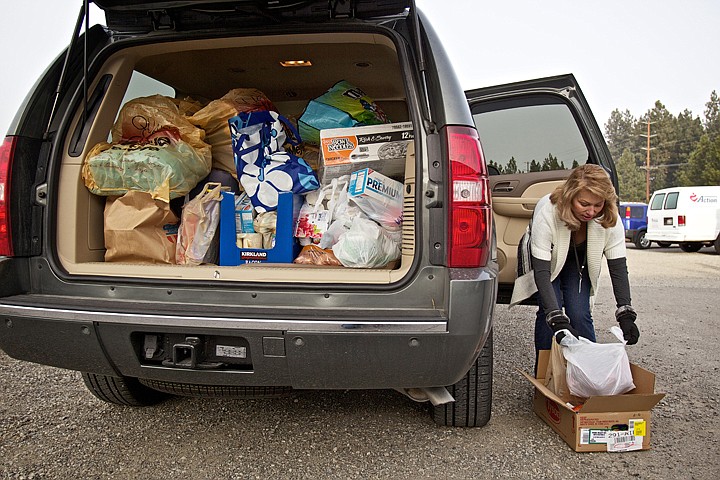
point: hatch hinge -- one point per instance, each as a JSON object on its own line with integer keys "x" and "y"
{"x": 161, "y": 20}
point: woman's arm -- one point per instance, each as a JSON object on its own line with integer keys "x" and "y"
{"x": 620, "y": 282}
{"x": 546, "y": 292}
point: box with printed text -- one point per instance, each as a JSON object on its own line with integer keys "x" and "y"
{"x": 613, "y": 423}
{"x": 380, "y": 147}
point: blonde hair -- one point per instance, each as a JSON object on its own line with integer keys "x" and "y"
{"x": 595, "y": 180}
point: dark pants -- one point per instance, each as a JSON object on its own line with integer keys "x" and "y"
{"x": 576, "y": 305}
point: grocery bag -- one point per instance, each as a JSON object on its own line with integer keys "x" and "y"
{"x": 213, "y": 119}
{"x": 154, "y": 149}
{"x": 597, "y": 368}
{"x": 197, "y": 241}
{"x": 264, "y": 168}
{"x": 556, "y": 373}
{"x": 139, "y": 229}
{"x": 316, "y": 213}
{"x": 343, "y": 105}
{"x": 366, "y": 245}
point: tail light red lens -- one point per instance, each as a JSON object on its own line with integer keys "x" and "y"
{"x": 470, "y": 213}
{"x": 6, "y": 155}
{"x": 627, "y": 212}
{"x": 681, "y": 220}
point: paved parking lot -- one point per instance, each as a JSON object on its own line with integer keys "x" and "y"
{"x": 50, "y": 427}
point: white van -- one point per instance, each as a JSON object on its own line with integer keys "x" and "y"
{"x": 688, "y": 216}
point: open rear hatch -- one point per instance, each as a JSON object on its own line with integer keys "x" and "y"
{"x": 234, "y": 44}
{"x": 144, "y": 16}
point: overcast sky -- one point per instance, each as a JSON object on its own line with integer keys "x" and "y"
{"x": 625, "y": 54}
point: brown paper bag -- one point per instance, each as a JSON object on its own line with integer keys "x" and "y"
{"x": 139, "y": 229}
{"x": 555, "y": 375}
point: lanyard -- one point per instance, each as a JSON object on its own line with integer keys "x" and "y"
{"x": 580, "y": 268}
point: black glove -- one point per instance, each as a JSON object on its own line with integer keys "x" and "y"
{"x": 557, "y": 321}
{"x": 626, "y": 316}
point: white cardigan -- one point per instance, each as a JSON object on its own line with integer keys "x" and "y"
{"x": 550, "y": 240}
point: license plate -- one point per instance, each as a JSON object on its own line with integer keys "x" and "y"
{"x": 230, "y": 351}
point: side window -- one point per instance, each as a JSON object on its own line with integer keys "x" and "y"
{"x": 657, "y": 201}
{"x": 143, "y": 86}
{"x": 540, "y": 137}
{"x": 672, "y": 199}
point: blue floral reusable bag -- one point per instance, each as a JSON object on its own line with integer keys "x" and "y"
{"x": 263, "y": 166}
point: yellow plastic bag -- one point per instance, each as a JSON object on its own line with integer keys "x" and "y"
{"x": 213, "y": 119}
{"x": 154, "y": 150}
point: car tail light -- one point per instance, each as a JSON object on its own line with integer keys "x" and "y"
{"x": 470, "y": 214}
{"x": 681, "y": 220}
{"x": 6, "y": 155}
{"x": 627, "y": 212}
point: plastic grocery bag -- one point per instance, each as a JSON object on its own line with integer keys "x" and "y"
{"x": 154, "y": 149}
{"x": 597, "y": 368}
{"x": 314, "y": 255}
{"x": 213, "y": 118}
{"x": 139, "y": 229}
{"x": 264, "y": 167}
{"x": 343, "y": 105}
{"x": 366, "y": 245}
{"x": 317, "y": 211}
{"x": 197, "y": 242}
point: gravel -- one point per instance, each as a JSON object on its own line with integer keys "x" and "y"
{"x": 51, "y": 427}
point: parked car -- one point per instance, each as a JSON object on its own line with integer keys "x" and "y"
{"x": 139, "y": 332}
{"x": 634, "y": 216}
{"x": 687, "y": 216}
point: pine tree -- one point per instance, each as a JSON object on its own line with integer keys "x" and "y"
{"x": 631, "y": 180}
{"x": 703, "y": 168}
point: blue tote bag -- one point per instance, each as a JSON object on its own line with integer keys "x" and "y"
{"x": 263, "y": 166}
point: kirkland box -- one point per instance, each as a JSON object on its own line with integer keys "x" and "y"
{"x": 380, "y": 147}
{"x": 286, "y": 246}
{"x": 615, "y": 423}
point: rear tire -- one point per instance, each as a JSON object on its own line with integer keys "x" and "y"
{"x": 125, "y": 391}
{"x": 664, "y": 244}
{"x": 690, "y": 247}
{"x": 642, "y": 242}
{"x": 473, "y": 394}
{"x": 717, "y": 245}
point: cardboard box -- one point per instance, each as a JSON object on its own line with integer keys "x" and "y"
{"x": 616, "y": 423}
{"x": 286, "y": 246}
{"x": 380, "y": 147}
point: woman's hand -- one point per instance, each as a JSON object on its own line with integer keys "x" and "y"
{"x": 626, "y": 316}
{"x": 557, "y": 320}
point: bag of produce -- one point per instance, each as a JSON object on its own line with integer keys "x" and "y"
{"x": 154, "y": 149}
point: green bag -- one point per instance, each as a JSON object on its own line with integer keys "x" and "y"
{"x": 344, "y": 105}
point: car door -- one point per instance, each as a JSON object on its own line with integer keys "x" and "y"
{"x": 533, "y": 134}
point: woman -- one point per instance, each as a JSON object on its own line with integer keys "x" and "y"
{"x": 571, "y": 230}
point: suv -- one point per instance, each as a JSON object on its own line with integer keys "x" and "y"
{"x": 140, "y": 332}
{"x": 634, "y": 217}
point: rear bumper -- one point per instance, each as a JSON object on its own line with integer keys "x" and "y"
{"x": 679, "y": 237}
{"x": 390, "y": 350}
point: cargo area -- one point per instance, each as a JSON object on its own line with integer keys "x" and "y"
{"x": 290, "y": 70}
